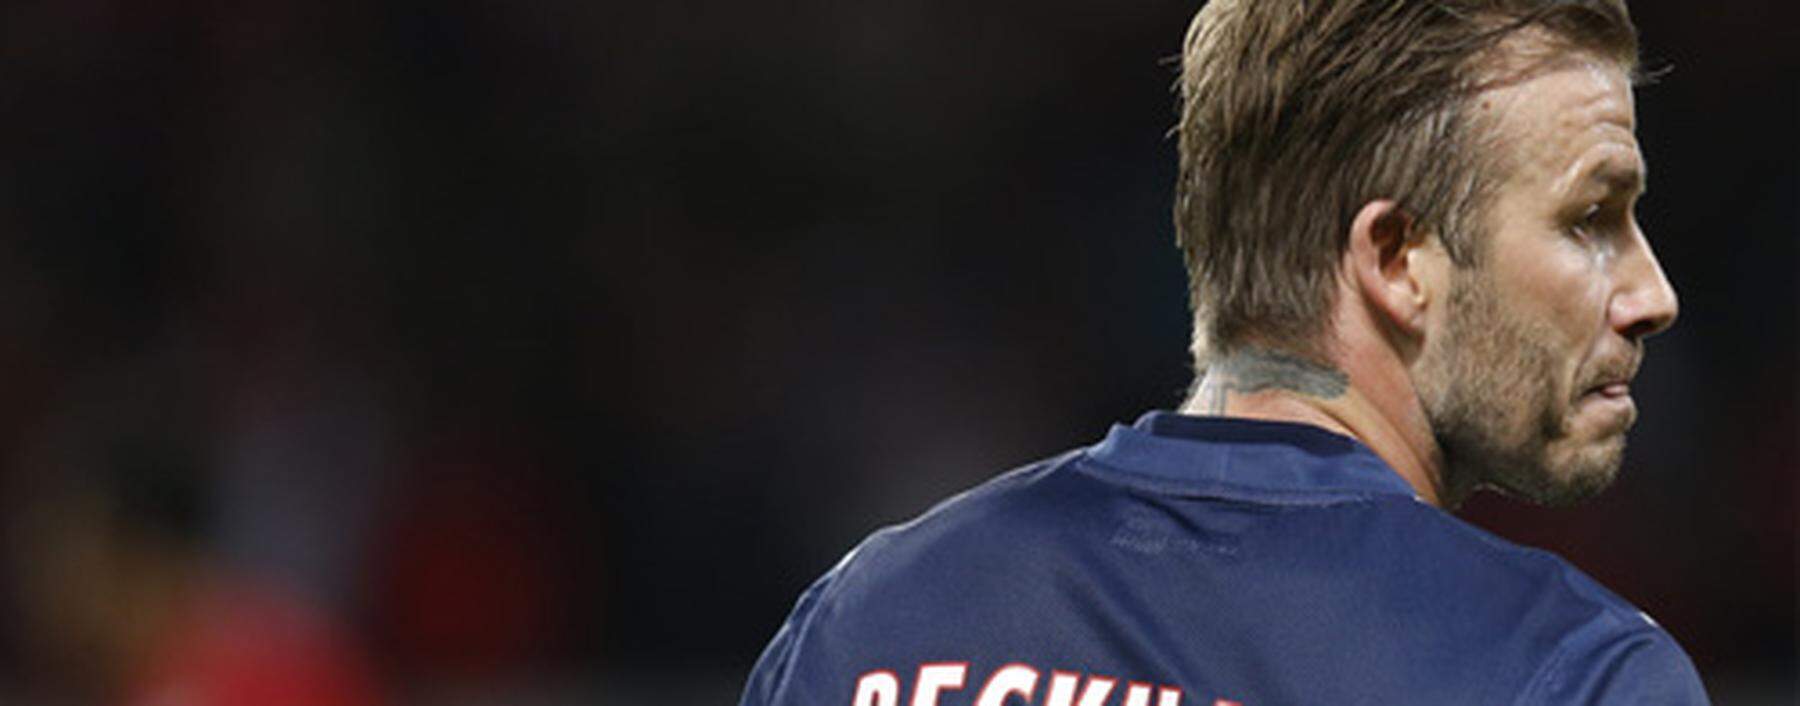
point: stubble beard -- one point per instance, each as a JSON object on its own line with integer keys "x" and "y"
{"x": 1489, "y": 389}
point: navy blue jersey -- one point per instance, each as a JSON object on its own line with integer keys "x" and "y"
{"x": 1203, "y": 561}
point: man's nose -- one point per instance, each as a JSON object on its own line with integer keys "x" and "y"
{"x": 1644, "y": 303}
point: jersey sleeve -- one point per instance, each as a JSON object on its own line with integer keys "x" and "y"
{"x": 1643, "y": 667}
{"x": 768, "y": 679}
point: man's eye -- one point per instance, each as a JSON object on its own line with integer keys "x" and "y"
{"x": 1588, "y": 224}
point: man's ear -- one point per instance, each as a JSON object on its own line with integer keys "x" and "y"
{"x": 1396, "y": 267}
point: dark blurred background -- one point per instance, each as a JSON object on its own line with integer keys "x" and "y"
{"x": 541, "y": 353}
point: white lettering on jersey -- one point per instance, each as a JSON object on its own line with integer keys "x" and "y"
{"x": 877, "y": 688}
{"x": 1137, "y": 694}
{"x": 882, "y": 688}
{"x": 937, "y": 677}
{"x": 1010, "y": 679}
{"x": 1062, "y": 690}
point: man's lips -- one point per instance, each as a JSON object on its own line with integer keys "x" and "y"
{"x": 1613, "y": 392}
{"x": 1612, "y": 389}
{"x": 1612, "y": 399}
{"x": 1612, "y": 378}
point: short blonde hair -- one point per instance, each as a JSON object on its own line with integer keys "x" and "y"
{"x": 1296, "y": 113}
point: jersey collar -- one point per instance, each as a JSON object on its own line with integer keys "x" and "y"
{"x": 1246, "y": 459}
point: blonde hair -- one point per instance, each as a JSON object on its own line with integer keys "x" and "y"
{"x": 1296, "y": 113}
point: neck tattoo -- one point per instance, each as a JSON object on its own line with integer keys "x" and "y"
{"x": 1251, "y": 370}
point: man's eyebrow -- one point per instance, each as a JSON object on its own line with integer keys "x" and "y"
{"x": 1631, "y": 177}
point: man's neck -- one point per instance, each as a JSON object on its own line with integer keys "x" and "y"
{"x": 1259, "y": 383}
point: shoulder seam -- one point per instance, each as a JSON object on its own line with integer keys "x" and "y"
{"x": 1561, "y": 655}
{"x": 1543, "y": 671}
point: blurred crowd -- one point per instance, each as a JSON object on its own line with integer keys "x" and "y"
{"x": 388, "y": 353}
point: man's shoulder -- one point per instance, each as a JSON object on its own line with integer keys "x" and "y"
{"x": 890, "y": 591}
{"x": 1039, "y": 514}
{"x": 1594, "y": 646}
{"x": 1063, "y": 564}
{"x": 1042, "y": 536}
{"x": 1031, "y": 509}
{"x": 1456, "y": 552}
{"x": 1498, "y": 605}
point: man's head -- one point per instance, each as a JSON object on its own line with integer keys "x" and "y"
{"x": 1495, "y": 133}
{"x": 1527, "y": 382}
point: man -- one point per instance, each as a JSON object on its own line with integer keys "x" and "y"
{"x": 1415, "y": 273}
